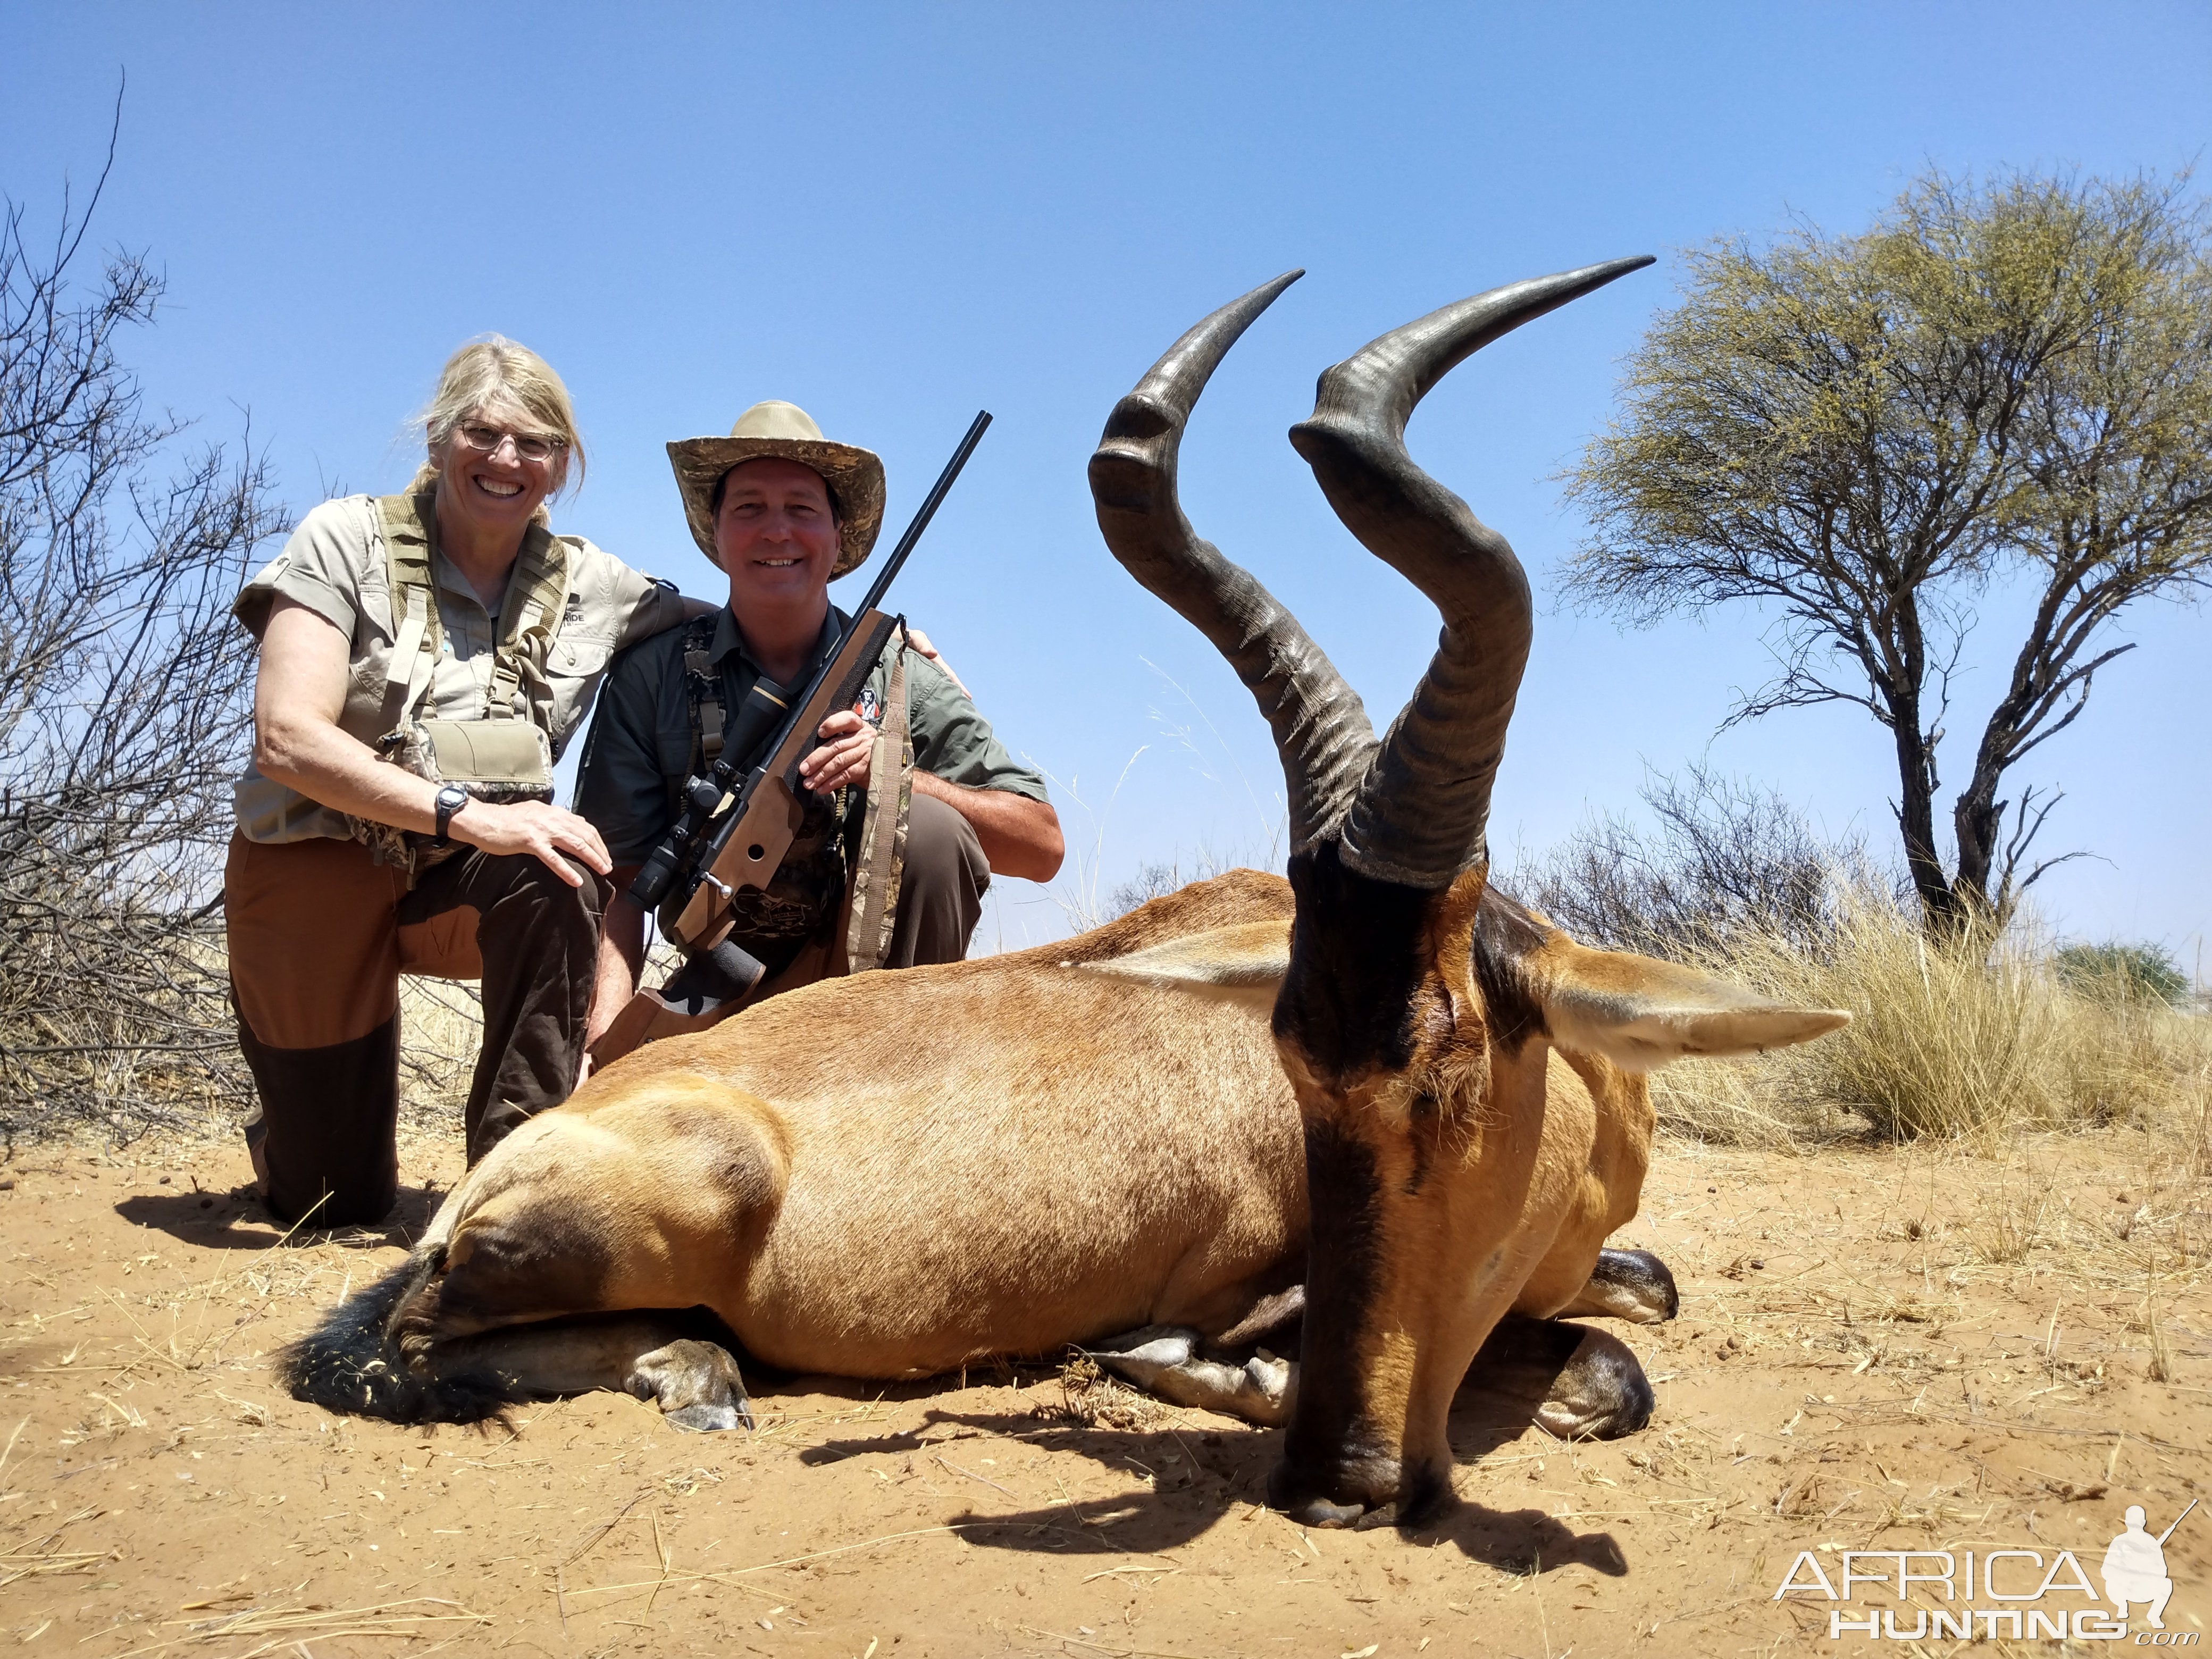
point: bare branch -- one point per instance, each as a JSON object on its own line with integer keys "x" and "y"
{"x": 124, "y": 699}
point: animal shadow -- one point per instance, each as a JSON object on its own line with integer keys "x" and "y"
{"x": 238, "y": 1220}
{"x": 1183, "y": 1482}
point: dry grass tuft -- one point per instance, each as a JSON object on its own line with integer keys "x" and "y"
{"x": 1090, "y": 1396}
{"x": 440, "y": 1026}
{"x": 1943, "y": 1041}
{"x": 199, "y": 1090}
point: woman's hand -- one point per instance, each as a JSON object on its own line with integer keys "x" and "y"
{"x": 297, "y": 696}
{"x": 848, "y": 743}
{"x": 920, "y": 641}
{"x": 547, "y": 832}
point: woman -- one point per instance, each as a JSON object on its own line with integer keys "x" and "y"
{"x": 400, "y": 638}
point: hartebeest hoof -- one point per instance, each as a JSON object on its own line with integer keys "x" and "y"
{"x": 697, "y": 1384}
{"x": 1600, "y": 1394}
{"x": 1315, "y": 1511}
{"x": 1631, "y": 1285}
{"x": 1349, "y": 1491}
{"x": 1164, "y": 1360}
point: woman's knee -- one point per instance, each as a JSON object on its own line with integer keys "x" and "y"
{"x": 527, "y": 873}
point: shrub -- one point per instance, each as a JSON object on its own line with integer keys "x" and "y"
{"x": 1969, "y": 1036}
{"x": 2144, "y": 972}
{"x": 124, "y": 703}
{"x": 1722, "y": 858}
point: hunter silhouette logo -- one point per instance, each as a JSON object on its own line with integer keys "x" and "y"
{"x": 2135, "y": 1567}
{"x": 2024, "y": 1584}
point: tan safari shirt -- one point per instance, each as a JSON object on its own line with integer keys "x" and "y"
{"x": 334, "y": 564}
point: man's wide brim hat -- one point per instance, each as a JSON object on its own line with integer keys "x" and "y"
{"x": 855, "y": 477}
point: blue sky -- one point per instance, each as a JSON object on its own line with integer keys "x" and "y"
{"x": 896, "y": 215}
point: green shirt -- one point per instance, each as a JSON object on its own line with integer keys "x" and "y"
{"x": 640, "y": 749}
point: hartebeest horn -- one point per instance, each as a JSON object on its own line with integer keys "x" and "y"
{"x": 1321, "y": 730}
{"x": 1420, "y": 811}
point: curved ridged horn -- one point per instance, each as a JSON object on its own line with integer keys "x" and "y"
{"x": 1321, "y": 731}
{"x": 1420, "y": 812}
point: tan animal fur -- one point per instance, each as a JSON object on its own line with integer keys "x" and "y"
{"x": 856, "y": 1183}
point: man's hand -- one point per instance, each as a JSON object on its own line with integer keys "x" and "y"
{"x": 551, "y": 835}
{"x": 848, "y": 741}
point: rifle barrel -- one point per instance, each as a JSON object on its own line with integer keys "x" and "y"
{"x": 927, "y": 511}
{"x": 2178, "y": 1520}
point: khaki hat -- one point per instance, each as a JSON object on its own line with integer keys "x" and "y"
{"x": 855, "y": 477}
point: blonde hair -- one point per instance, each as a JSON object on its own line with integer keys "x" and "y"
{"x": 491, "y": 370}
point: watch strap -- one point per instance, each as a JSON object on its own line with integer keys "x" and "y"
{"x": 450, "y": 800}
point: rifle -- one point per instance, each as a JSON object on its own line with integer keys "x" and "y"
{"x": 734, "y": 833}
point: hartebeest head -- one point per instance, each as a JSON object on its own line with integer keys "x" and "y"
{"x": 1416, "y": 1008}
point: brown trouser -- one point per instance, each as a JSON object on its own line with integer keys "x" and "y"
{"x": 319, "y": 938}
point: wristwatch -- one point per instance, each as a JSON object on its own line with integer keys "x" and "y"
{"x": 451, "y": 799}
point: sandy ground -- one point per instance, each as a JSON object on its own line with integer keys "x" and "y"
{"x": 1878, "y": 1350}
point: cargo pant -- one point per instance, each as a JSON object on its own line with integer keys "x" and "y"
{"x": 319, "y": 938}
{"x": 941, "y": 886}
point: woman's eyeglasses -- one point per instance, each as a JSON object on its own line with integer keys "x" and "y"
{"x": 529, "y": 446}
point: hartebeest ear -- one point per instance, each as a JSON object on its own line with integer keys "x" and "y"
{"x": 1641, "y": 1013}
{"x": 1243, "y": 964}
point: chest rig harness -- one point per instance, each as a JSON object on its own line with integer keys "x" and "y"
{"x": 503, "y": 755}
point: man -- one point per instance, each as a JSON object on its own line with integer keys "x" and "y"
{"x": 782, "y": 511}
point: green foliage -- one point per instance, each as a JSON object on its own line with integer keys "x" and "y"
{"x": 2143, "y": 972}
{"x": 2008, "y": 379}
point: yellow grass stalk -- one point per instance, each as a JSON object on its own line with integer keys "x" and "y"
{"x": 1945, "y": 1041}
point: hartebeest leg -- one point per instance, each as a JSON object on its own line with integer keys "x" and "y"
{"x": 1166, "y": 1360}
{"x": 1591, "y": 1383}
{"x": 696, "y": 1382}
